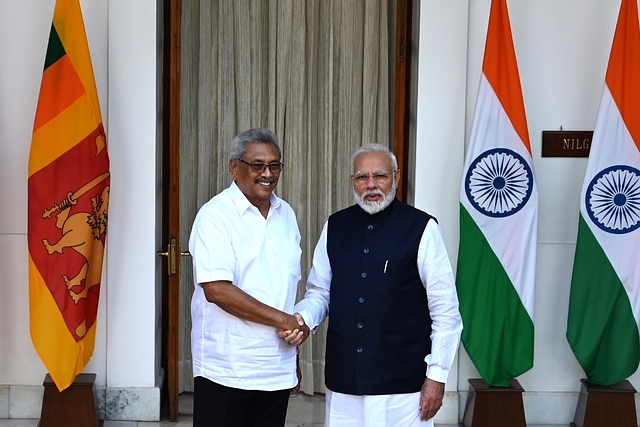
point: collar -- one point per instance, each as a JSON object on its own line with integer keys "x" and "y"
{"x": 242, "y": 203}
{"x": 380, "y": 216}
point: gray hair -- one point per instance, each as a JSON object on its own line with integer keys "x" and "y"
{"x": 239, "y": 143}
{"x": 372, "y": 147}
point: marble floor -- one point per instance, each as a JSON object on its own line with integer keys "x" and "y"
{"x": 304, "y": 411}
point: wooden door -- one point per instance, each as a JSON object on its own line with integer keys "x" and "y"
{"x": 402, "y": 100}
{"x": 171, "y": 246}
{"x": 171, "y": 169}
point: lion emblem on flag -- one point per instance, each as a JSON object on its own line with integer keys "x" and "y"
{"x": 82, "y": 232}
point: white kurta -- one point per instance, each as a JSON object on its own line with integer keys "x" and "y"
{"x": 388, "y": 410}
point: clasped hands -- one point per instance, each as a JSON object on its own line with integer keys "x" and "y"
{"x": 297, "y": 332}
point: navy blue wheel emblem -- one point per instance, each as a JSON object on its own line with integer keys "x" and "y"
{"x": 613, "y": 199}
{"x": 499, "y": 182}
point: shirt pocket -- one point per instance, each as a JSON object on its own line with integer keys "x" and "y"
{"x": 293, "y": 263}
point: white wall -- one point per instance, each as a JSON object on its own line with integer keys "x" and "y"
{"x": 123, "y": 43}
{"x": 440, "y": 133}
{"x": 562, "y": 50}
{"x": 132, "y": 133}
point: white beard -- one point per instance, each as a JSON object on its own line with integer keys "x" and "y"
{"x": 374, "y": 206}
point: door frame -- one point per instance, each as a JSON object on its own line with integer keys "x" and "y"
{"x": 402, "y": 97}
{"x": 171, "y": 19}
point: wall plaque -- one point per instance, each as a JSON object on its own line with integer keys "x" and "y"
{"x": 566, "y": 143}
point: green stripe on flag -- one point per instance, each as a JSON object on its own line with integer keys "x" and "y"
{"x": 498, "y": 333}
{"x": 601, "y": 329}
{"x": 55, "y": 50}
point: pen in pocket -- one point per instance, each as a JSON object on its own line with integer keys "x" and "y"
{"x": 385, "y": 266}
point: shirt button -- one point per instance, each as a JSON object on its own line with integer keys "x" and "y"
{"x": 366, "y": 250}
{"x": 360, "y": 300}
{"x": 359, "y": 349}
{"x": 364, "y": 275}
{"x": 369, "y": 227}
{"x": 360, "y": 325}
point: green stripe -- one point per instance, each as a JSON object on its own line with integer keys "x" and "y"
{"x": 601, "y": 329}
{"x": 498, "y": 332}
{"x": 55, "y": 50}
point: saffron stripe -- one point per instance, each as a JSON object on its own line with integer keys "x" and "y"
{"x": 623, "y": 71}
{"x": 501, "y": 69}
{"x": 60, "y": 88}
{"x": 74, "y": 39}
{"x": 59, "y": 135}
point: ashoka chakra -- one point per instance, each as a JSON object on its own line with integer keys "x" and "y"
{"x": 499, "y": 182}
{"x": 613, "y": 199}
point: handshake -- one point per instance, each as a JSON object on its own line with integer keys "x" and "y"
{"x": 296, "y": 331}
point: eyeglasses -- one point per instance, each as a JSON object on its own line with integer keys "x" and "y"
{"x": 260, "y": 167}
{"x": 379, "y": 177}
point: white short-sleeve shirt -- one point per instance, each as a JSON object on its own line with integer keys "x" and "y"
{"x": 230, "y": 240}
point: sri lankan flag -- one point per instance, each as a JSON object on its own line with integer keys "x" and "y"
{"x": 68, "y": 200}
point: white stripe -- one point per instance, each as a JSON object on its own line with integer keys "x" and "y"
{"x": 492, "y": 129}
{"x": 613, "y": 145}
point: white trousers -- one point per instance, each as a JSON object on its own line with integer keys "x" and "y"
{"x": 392, "y": 410}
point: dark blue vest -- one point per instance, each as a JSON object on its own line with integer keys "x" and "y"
{"x": 379, "y": 323}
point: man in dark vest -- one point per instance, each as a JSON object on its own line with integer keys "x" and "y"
{"x": 382, "y": 275}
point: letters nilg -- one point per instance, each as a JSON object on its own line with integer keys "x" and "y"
{"x": 566, "y": 143}
{"x": 576, "y": 144}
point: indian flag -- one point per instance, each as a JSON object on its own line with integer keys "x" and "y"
{"x": 604, "y": 305}
{"x": 67, "y": 202}
{"x": 498, "y": 218}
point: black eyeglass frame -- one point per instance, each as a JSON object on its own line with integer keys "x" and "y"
{"x": 260, "y": 167}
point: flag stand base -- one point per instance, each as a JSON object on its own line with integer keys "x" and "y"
{"x": 489, "y": 406}
{"x": 73, "y": 407}
{"x": 602, "y": 406}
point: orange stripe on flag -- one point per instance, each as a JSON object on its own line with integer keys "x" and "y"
{"x": 66, "y": 129}
{"x": 73, "y": 38}
{"x": 60, "y": 88}
{"x": 501, "y": 68}
{"x": 623, "y": 72}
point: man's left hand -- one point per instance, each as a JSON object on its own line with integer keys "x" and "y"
{"x": 431, "y": 397}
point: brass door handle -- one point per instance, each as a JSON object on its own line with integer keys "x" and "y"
{"x": 167, "y": 253}
{"x": 173, "y": 248}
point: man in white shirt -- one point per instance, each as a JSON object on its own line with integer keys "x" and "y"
{"x": 246, "y": 253}
{"x": 394, "y": 326}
